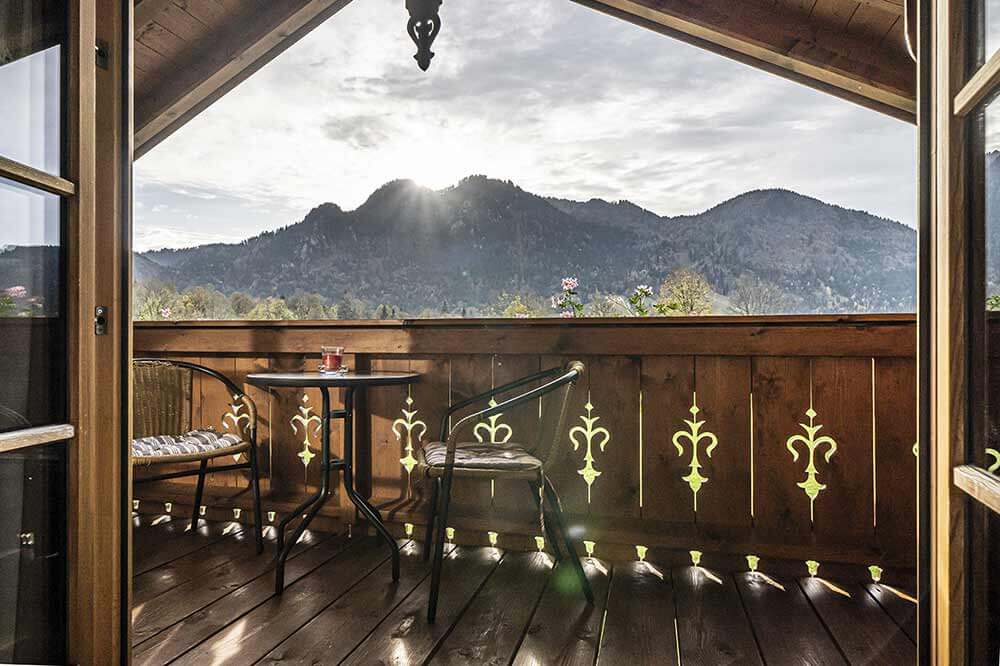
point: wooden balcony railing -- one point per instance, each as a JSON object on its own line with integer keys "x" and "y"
{"x": 788, "y": 436}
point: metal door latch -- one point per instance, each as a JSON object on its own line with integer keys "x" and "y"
{"x": 101, "y": 320}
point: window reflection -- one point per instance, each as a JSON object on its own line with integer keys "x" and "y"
{"x": 31, "y": 76}
{"x": 32, "y": 329}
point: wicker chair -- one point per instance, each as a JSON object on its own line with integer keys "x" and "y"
{"x": 449, "y": 457}
{"x": 161, "y": 414}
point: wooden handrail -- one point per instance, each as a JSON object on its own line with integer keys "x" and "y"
{"x": 979, "y": 484}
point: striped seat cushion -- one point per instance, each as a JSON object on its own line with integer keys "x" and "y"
{"x": 196, "y": 441}
{"x": 473, "y": 455}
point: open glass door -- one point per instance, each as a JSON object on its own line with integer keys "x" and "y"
{"x": 968, "y": 311}
{"x": 58, "y": 539}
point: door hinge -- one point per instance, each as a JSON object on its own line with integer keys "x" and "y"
{"x": 101, "y": 320}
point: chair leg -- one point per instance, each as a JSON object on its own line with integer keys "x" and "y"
{"x": 550, "y": 534}
{"x": 258, "y": 519}
{"x": 199, "y": 491}
{"x": 550, "y": 493}
{"x": 431, "y": 513}
{"x": 442, "y": 523}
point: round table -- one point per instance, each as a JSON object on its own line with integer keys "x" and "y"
{"x": 351, "y": 382}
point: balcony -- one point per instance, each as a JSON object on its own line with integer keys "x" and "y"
{"x": 789, "y": 532}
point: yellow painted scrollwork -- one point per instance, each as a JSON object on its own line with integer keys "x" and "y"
{"x": 591, "y": 435}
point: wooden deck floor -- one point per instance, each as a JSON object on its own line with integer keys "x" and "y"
{"x": 207, "y": 598}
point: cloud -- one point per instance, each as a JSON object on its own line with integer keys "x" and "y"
{"x": 561, "y": 99}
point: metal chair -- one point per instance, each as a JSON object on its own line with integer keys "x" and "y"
{"x": 161, "y": 410}
{"x": 443, "y": 460}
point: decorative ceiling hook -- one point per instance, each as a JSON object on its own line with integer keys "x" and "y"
{"x": 423, "y": 27}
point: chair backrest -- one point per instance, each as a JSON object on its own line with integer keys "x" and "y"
{"x": 161, "y": 398}
{"x": 552, "y": 417}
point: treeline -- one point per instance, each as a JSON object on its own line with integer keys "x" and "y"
{"x": 683, "y": 293}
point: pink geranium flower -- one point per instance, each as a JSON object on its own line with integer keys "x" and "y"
{"x": 570, "y": 283}
{"x": 17, "y": 292}
{"x": 165, "y": 313}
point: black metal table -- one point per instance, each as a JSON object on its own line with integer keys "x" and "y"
{"x": 351, "y": 383}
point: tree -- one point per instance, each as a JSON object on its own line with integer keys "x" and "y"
{"x": 241, "y": 304}
{"x": 271, "y": 309}
{"x": 751, "y": 296}
{"x": 347, "y": 310}
{"x": 685, "y": 292}
{"x": 308, "y": 306}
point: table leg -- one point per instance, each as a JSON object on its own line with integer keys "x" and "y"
{"x": 370, "y": 512}
{"x": 315, "y": 503}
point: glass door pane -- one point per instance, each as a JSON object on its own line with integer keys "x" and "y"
{"x": 32, "y": 47}
{"x": 32, "y": 326}
{"x": 33, "y": 555}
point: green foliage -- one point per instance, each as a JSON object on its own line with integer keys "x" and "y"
{"x": 271, "y": 308}
{"x": 7, "y": 306}
{"x": 993, "y": 302}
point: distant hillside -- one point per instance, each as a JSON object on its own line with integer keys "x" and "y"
{"x": 459, "y": 247}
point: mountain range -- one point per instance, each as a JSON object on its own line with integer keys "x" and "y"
{"x": 460, "y": 247}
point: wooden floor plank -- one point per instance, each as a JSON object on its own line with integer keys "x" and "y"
{"x": 494, "y": 623}
{"x": 863, "y": 630}
{"x": 639, "y": 623}
{"x": 712, "y": 625}
{"x": 334, "y": 633}
{"x": 174, "y": 641}
{"x": 179, "y": 543}
{"x": 405, "y": 637}
{"x": 260, "y": 630}
{"x": 564, "y": 629}
{"x": 149, "y": 585}
{"x": 156, "y": 614}
{"x": 903, "y": 611}
{"x": 788, "y": 631}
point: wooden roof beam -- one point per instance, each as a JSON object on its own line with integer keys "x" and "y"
{"x": 210, "y": 70}
{"x": 792, "y": 45}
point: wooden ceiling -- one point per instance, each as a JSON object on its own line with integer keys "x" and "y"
{"x": 188, "y": 53}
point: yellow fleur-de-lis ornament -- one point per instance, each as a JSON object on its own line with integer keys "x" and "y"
{"x": 995, "y": 455}
{"x": 304, "y": 420}
{"x": 407, "y": 430}
{"x": 811, "y": 484}
{"x": 591, "y": 435}
{"x": 695, "y": 436}
{"x": 492, "y": 431}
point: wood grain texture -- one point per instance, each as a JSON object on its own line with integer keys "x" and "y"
{"x": 494, "y": 623}
{"x": 862, "y": 629}
{"x": 564, "y": 629}
{"x": 280, "y": 616}
{"x": 404, "y": 636}
{"x": 179, "y": 638}
{"x": 667, "y": 391}
{"x": 896, "y": 465}
{"x": 639, "y": 625}
{"x": 712, "y": 625}
{"x": 781, "y": 398}
{"x": 335, "y": 632}
{"x": 845, "y": 510}
{"x": 903, "y": 611}
{"x": 787, "y": 629}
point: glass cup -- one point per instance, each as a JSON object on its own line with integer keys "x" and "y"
{"x": 333, "y": 359}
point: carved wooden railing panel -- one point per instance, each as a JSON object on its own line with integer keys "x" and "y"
{"x": 784, "y": 435}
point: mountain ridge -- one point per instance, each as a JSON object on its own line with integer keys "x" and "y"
{"x": 462, "y": 246}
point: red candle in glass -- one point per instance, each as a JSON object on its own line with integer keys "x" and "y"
{"x": 333, "y": 358}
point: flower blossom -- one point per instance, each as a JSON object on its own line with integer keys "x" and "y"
{"x": 165, "y": 313}
{"x": 17, "y": 292}
{"x": 644, "y": 290}
{"x": 567, "y": 314}
{"x": 570, "y": 283}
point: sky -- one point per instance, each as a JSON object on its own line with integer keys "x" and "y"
{"x": 558, "y": 98}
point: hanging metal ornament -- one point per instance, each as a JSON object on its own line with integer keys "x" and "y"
{"x": 423, "y": 27}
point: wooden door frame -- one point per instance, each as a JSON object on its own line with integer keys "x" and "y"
{"x": 99, "y": 136}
